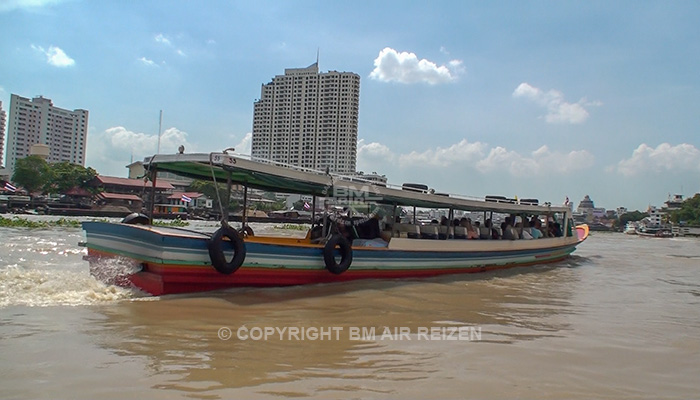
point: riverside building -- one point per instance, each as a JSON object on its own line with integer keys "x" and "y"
{"x": 37, "y": 121}
{"x": 308, "y": 119}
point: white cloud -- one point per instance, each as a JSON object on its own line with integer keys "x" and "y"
{"x": 540, "y": 162}
{"x": 477, "y": 157}
{"x": 664, "y": 158}
{"x": 373, "y": 156}
{"x": 404, "y": 67}
{"x": 55, "y": 56}
{"x": 160, "y": 38}
{"x": 9, "y": 5}
{"x": 243, "y": 147}
{"x": 374, "y": 151}
{"x": 558, "y": 110}
{"x": 165, "y": 40}
{"x": 148, "y": 62}
{"x": 462, "y": 153}
{"x": 143, "y": 144}
{"x": 113, "y": 148}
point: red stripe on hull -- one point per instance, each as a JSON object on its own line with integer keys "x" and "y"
{"x": 172, "y": 282}
{"x": 160, "y": 279}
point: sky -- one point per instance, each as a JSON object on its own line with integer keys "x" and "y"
{"x": 534, "y": 99}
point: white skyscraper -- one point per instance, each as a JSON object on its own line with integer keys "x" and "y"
{"x": 2, "y": 132}
{"x": 37, "y": 121}
{"x": 308, "y": 119}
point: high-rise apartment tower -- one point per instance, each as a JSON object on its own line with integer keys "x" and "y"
{"x": 308, "y": 119}
{"x": 37, "y": 121}
{"x": 3, "y": 119}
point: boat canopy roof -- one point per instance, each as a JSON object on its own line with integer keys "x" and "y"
{"x": 275, "y": 177}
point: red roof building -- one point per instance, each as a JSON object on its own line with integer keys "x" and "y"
{"x": 139, "y": 184}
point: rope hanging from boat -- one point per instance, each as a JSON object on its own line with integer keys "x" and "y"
{"x": 216, "y": 187}
{"x": 244, "y": 230}
{"x": 215, "y": 245}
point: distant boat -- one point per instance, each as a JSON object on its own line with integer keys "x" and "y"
{"x": 630, "y": 228}
{"x": 653, "y": 231}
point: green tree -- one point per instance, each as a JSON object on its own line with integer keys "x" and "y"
{"x": 32, "y": 173}
{"x": 298, "y": 205}
{"x": 631, "y": 216}
{"x": 65, "y": 176}
{"x": 209, "y": 190}
{"x": 689, "y": 212}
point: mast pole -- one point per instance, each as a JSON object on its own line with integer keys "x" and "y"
{"x": 160, "y": 128}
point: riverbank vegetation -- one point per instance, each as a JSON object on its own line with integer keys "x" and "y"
{"x": 689, "y": 214}
{"x": 18, "y": 222}
{"x": 293, "y": 227}
{"x": 36, "y": 175}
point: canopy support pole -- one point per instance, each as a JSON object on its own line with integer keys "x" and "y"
{"x": 325, "y": 220}
{"x": 225, "y": 210}
{"x": 152, "y": 206}
{"x": 313, "y": 209}
{"x": 244, "y": 214}
{"x": 393, "y": 221}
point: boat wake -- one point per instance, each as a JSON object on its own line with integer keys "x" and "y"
{"x": 21, "y": 286}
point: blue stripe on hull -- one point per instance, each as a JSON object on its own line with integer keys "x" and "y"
{"x": 149, "y": 245}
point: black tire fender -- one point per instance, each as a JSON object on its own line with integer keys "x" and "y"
{"x": 136, "y": 219}
{"x": 216, "y": 250}
{"x": 345, "y": 254}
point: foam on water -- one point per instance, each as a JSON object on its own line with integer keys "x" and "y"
{"x": 45, "y": 267}
{"x": 36, "y": 287}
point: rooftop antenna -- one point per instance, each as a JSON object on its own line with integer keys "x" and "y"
{"x": 318, "y": 51}
{"x": 160, "y": 127}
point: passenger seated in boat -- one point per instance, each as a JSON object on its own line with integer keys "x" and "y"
{"x": 488, "y": 231}
{"x": 365, "y": 231}
{"x": 535, "y": 228}
{"x": 524, "y": 231}
{"x": 471, "y": 232}
{"x": 508, "y": 231}
{"x": 556, "y": 229}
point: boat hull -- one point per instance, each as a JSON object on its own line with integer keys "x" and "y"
{"x": 177, "y": 261}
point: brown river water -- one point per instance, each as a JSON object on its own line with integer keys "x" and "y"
{"x": 620, "y": 319}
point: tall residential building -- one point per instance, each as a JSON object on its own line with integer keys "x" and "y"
{"x": 308, "y": 119}
{"x": 37, "y": 121}
{"x": 2, "y": 132}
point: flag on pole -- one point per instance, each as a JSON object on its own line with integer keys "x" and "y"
{"x": 307, "y": 206}
{"x": 566, "y": 202}
{"x": 186, "y": 198}
{"x": 10, "y": 187}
